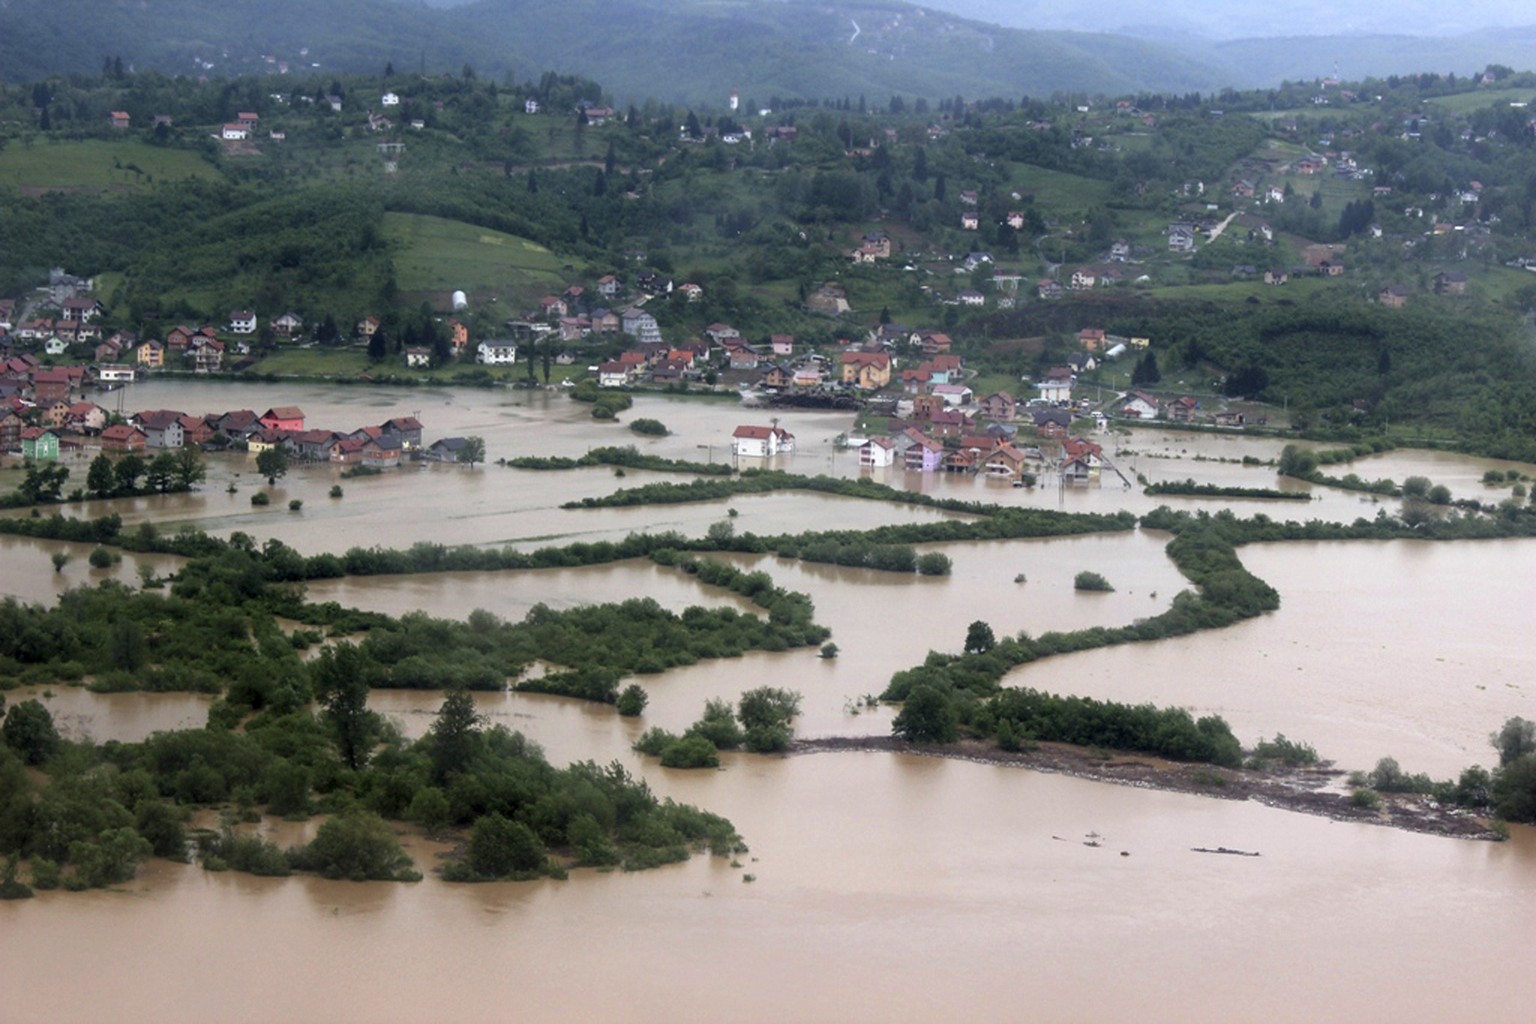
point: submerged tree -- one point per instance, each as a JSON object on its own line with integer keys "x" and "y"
{"x": 341, "y": 678}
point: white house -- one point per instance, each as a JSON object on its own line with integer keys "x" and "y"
{"x": 418, "y": 357}
{"x": 761, "y": 442}
{"x": 389, "y": 99}
{"x": 242, "y": 321}
{"x": 235, "y": 133}
{"x": 954, "y": 395}
{"x": 612, "y": 374}
{"x": 496, "y": 353}
{"x": 877, "y": 453}
{"x": 1054, "y": 391}
{"x": 1141, "y": 405}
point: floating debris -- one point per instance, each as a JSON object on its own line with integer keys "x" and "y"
{"x": 1223, "y": 849}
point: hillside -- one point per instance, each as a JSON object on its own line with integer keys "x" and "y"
{"x": 793, "y": 49}
{"x": 1257, "y": 240}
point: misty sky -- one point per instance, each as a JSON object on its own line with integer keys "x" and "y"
{"x": 1234, "y": 19}
{"x": 1229, "y": 19}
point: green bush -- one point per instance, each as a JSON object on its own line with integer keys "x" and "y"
{"x": 934, "y": 563}
{"x": 1091, "y": 581}
{"x": 690, "y": 752}
{"x": 632, "y": 701}
{"x": 357, "y": 845}
{"x": 648, "y": 427}
{"x": 260, "y": 498}
{"x": 103, "y": 558}
{"x": 295, "y": 504}
{"x": 336, "y": 490}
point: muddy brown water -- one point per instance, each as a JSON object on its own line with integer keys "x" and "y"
{"x": 886, "y": 887}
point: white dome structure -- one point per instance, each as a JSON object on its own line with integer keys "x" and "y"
{"x": 460, "y": 301}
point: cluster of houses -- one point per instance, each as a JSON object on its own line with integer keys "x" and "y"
{"x": 377, "y": 446}
{"x": 72, "y": 426}
{"x": 1141, "y": 405}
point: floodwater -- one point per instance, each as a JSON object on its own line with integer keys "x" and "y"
{"x": 886, "y": 888}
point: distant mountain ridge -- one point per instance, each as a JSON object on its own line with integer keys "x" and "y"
{"x": 689, "y": 51}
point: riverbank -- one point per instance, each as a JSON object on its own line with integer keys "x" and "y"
{"x": 1290, "y": 789}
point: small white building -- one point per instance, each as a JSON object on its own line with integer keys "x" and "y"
{"x": 954, "y": 395}
{"x": 1053, "y": 391}
{"x": 761, "y": 442}
{"x": 235, "y": 133}
{"x": 389, "y": 99}
{"x": 877, "y": 453}
{"x": 496, "y": 353}
{"x": 242, "y": 321}
{"x": 612, "y": 374}
{"x": 1141, "y": 405}
{"x": 418, "y": 357}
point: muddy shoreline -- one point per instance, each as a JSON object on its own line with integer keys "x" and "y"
{"x": 1289, "y": 789}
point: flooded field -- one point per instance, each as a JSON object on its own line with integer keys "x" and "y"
{"x": 887, "y": 887}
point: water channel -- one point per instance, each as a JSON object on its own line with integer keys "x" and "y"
{"x": 886, "y": 887}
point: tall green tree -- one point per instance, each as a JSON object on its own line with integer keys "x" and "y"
{"x": 161, "y": 473}
{"x": 99, "y": 479}
{"x": 342, "y": 678}
{"x": 472, "y": 452}
{"x": 454, "y": 735}
{"x": 29, "y": 731}
{"x": 188, "y": 469}
{"x": 272, "y": 463}
{"x": 127, "y": 472}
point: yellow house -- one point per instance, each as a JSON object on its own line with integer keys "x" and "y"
{"x": 460, "y": 335}
{"x": 868, "y": 370}
{"x": 151, "y": 354}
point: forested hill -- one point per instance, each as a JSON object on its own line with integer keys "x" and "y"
{"x": 789, "y": 49}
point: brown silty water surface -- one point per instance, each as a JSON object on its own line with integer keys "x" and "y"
{"x": 887, "y": 887}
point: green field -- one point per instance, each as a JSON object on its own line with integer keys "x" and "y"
{"x": 1057, "y": 193}
{"x": 437, "y": 255}
{"x": 97, "y": 164}
{"x": 1466, "y": 102}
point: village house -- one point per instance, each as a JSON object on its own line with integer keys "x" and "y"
{"x": 384, "y": 453}
{"x": 288, "y": 418}
{"x": 612, "y": 374}
{"x": 1450, "y": 282}
{"x": 288, "y": 325}
{"x": 1056, "y": 386}
{"x": 1048, "y": 289}
{"x": 85, "y": 418}
{"x": 150, "y": 354}
{"x": 445, "y": 449}
{"x": 418, "y": 358}
{"x": 954, "y": 395}
{"x": 496, "y": 353}
{"x": 1005, "y": 462}
{"x": 51, "y": 385}
{"x": 640, "y": 325}
{"x": 999, "y": 406}
{"x": 242, "y": 321}
{"x": 877, "y": 453}
{"x": 162, "y": 428}
{"x": 923, "y": 454}
{"x": 39, "y": 445}
{"x": 1183, "y": 409}
{"x": 867, "y": 370}
{"x": 761, "y": 442}
{"x": 1393, "y": 296}
{"x": 121, "y": 437}
{"x": 407, "y": 429}
{"x": 1141, "y": 405}
{"x": 1091, "y": 339}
